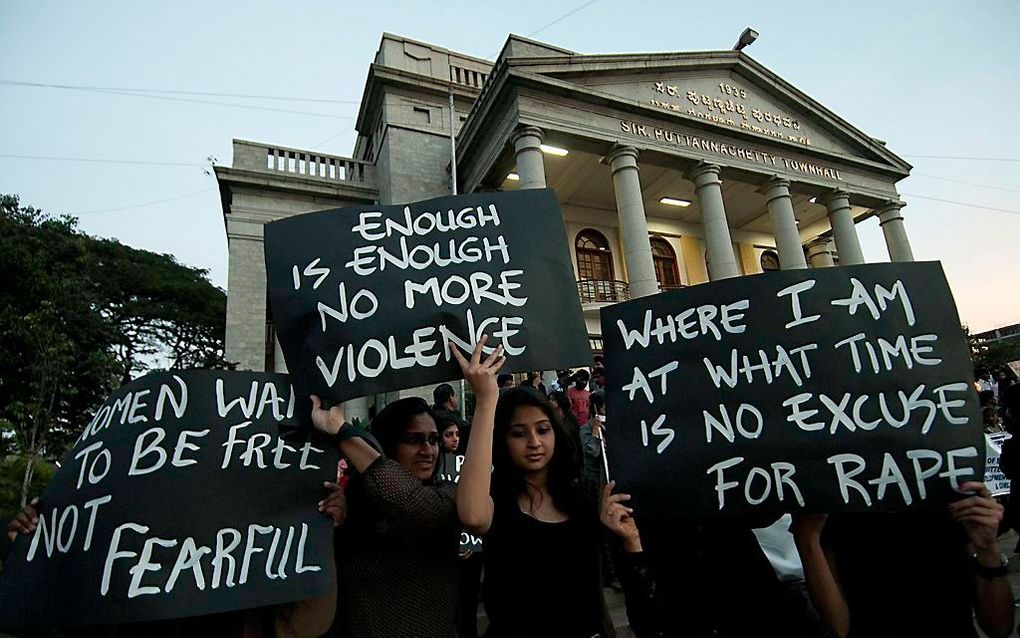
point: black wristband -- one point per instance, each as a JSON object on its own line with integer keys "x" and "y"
{"x": 991, "y": 572}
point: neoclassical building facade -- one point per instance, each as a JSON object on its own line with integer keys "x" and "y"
{"x": 672, "y": 169}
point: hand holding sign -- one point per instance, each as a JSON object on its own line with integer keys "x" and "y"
{"x": 481, "y": 374}
{"x": 370, "y": 299}
{"x": 827, "y": 390}
{"x": 980, "y": 515}
{"x": 24, "y": 522}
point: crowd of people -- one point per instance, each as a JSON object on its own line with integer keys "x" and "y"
{"x": 533, "y": 486}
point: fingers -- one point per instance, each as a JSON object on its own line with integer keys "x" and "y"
{"x": 476, "y": 356}
{"x": 494, "y": 357}
{"x": 330, "y": 486}
{"x": 977, "y": 509}
{"x": 976, "y": 486}
{"x": 983, "y": 521}
{"x": 316, "y": 403}
{"x": 458, "y": 356}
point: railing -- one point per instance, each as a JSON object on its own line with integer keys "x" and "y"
{"x": 467, "y": 77}
{"x": 602, "y": 291}
{"x": 663, "y": 288}
{"x": 292, "y": 161}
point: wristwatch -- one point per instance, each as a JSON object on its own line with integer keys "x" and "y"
{"x": 991, "y": 572}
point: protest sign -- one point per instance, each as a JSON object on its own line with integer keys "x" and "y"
{"x": 365, "y": 299}
{"x": 995, "y": 480}
{"x": 450, "y": 473}
{"x": 825, "y": 390}
{"x": 187, "y": 494}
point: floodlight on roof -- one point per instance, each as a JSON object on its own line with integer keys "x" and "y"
{"x": 748, "y": 36}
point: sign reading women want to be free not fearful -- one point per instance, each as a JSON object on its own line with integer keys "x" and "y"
{"x": 826, "y": 390}
{"x": 188, "y": 493}
{"x": 366, "y": 299}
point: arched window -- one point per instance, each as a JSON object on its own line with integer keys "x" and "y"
{"x": 769, "y": 261}
{"x": 594, "y": 258}
{"x": 666, "y": 272}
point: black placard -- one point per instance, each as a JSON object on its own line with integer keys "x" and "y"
{"x": 187, "y": 494}
{"x": 825, "y": 390}
{"x": 364, "y": 299}
{"x": 450, "y": 473}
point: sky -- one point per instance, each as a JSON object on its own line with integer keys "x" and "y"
{"x": 936, "y": 80}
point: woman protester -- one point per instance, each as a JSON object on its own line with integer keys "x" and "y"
{"x": 397, "y": 553}
{"x": 911, "y": 573}
{"x": 542, "y": 536}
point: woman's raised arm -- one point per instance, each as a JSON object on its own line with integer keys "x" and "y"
{"x": 474, "y": 505}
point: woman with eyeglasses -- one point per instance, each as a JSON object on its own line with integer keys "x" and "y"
{"x": 396, "y": 554}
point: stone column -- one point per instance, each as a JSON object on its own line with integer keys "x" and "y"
{"x": 841, "y": 219}
{"x": 890, "y": 217}
{"x": 784, "y": 223}
{"x": 530, "y": 163}
{"x": 279, "y": 363}
{"x": 722, "y": 263}
{"x": 819, "y": 254}
{"x": 637, "y": 251}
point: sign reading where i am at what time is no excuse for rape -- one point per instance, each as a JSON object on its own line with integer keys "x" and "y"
{"x": 837, "y": 389}
{"x": 366, "y": 299}
{"x": 188, "y": 493}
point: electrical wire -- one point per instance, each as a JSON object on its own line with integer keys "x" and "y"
{"x": 78, "y": 87}
{"x": 210, "y": 102}
{"x": 949, "y": 201}
{"x": 143, "y": 204}
{"x": 96, "y": 160}
{"x": 554, "y": 22}
{"x": 960, "y": 181}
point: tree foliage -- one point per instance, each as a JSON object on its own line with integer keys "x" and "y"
{"x": 80, "y": 315}
{"x": 995, "y": 355}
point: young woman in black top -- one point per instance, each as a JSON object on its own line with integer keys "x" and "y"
{"x": 542, "y": 536}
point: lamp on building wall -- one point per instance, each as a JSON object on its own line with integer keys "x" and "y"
{"x": 748, "y": 36}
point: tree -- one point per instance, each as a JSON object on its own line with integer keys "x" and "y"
{"x": 993, "y": 355}
{"x": 80, "y": 315}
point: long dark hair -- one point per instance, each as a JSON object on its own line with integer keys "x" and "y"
{"x": 508, "y": 479}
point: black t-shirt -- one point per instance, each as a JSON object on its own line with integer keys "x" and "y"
{"x": 903, "y": 574}
{"x": 542, "y": 579}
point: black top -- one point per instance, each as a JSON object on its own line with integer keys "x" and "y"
{"x": 903, "y": 574}
{"x": 542, "y": 579}
{"x": 396, "y": 557}
{"x": 713, "y": 580}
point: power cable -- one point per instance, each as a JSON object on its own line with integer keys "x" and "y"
{"x": 949, "y": 201}
{"x": 960, "y": 181}
{"x": 96, "y": 160}
{"x": 77, "y": 87}
{"x": 143, "y": 204}
{"x": 211, "y": 102}
{"x": 556, "y": 21}
{"x": 957, "y": 157}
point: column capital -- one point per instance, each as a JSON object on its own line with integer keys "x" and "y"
{"x": 527, "y": 131}
{"x": 621, "y": 157}
{"x": 819, "y": 242}
{"x": 704, "y": 173}
{"x": 774, "y": 188}
{"x": 827, "y": 199}
{"x": 889, "y": 211}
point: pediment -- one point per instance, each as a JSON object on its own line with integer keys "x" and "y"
{"x": 726, "y": 91}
